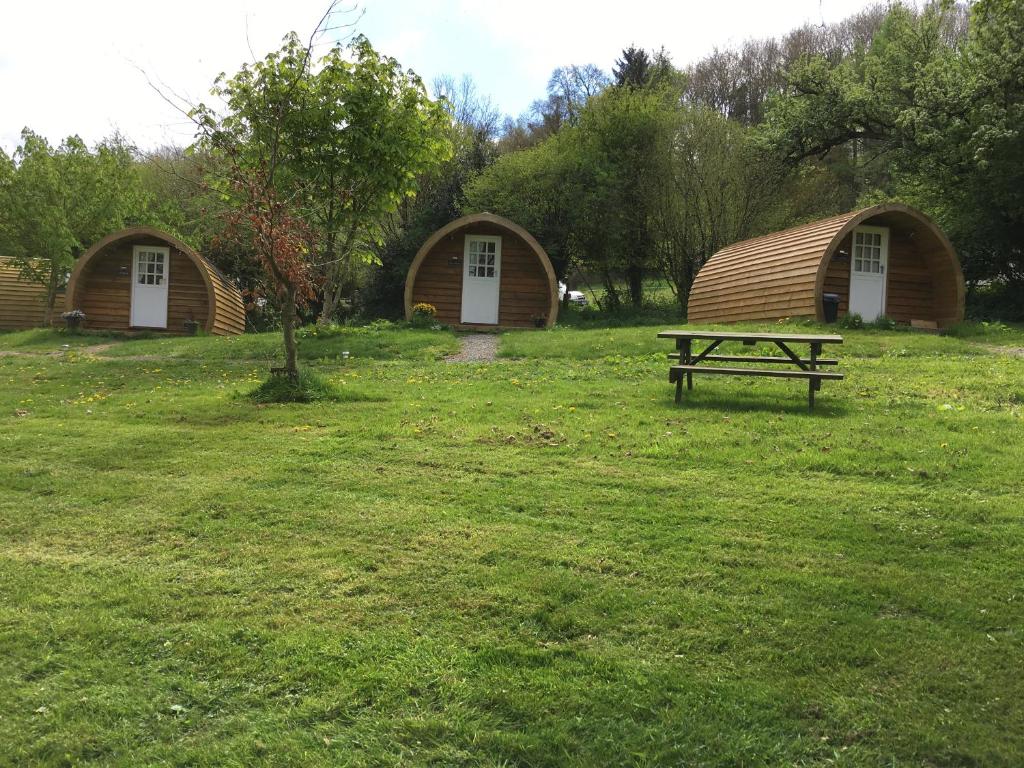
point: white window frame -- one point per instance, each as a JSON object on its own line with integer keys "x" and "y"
{"x": 883, "y": 245}
{"x": 496, "y": 239}
{"x": 161, "y": 249}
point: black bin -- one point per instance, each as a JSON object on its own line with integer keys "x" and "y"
{"x": 830, "y": 304}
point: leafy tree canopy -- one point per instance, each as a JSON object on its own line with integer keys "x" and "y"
{"x": 56, "y": 201}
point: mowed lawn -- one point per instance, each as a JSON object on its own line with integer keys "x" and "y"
{"x": 538, "y": 561}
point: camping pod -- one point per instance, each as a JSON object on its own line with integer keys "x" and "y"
{"x": 484, "y": 271}
{"x": 144, "y": 279}
{"x": 23, "y": 301}
{"x": 888, "y": 260}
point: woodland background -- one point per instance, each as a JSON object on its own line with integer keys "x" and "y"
{"x": 630, "y": 173}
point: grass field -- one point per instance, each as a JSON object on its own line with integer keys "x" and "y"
{"x": 538, "y": 561}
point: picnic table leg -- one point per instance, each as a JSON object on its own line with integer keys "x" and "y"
{"x": 688, "y": 354}
{"x": 813, "y": 385}
{"x": 681, "y": 345}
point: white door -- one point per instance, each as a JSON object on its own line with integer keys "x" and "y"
{"x": 150, "y": 267}
{"x": 481, "y": 276}
{"x": 868, "y": 267}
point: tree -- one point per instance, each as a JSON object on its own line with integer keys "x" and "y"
{"x": 311, "y": 157}
{"x": 621, "y": 149}
{"x": 372, "y": 136}
{"x": 716, "y": 188}
{"x": 539, "y": 188}
{"x": 929, "y": 117}
{"x": 639, "y": 69}
{"x": 55, "y": 202}
{"x": 571, "y": 88}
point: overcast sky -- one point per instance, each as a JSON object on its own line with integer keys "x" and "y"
{"x": 81, "y": 67}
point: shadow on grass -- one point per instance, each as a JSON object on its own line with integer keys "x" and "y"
{"x": 786, "y": 402}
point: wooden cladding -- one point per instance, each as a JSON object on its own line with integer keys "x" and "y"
{"x": 784, "y": 274}
{"x": 528, "y": 291}
{"x": 101, "y": 286}
{"x": 23, "y": 302}
{"x": 104, "y": 288}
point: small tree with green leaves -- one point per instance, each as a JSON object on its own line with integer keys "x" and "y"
{"x": 56, "y": 201}
{"x": 311, "y": 156}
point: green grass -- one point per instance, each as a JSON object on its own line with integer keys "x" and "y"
{"x": 47, "y": 340}
{"x": 541, "y": 561}
{"x": 384, "y": 341}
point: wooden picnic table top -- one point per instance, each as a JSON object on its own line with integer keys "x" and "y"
{"x": 805, "y": 338}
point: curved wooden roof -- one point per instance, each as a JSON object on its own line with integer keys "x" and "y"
{"x": 483, "y": 218}
{"x": 227, "y": 310}
{"x": 781, "y": 274}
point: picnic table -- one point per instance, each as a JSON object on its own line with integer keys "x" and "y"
{"x": 806, "y": 367}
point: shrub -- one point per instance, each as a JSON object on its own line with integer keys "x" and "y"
{"x": 998, "y": 300}
{"x": 652, "y": 312}
{"x": 852, "y": 322}
{"x": 423, "y": 315}
{"x": 884, "y": 324}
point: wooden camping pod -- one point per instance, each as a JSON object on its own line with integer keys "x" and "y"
{"x": 528, "y": 289}
{"x": 101, "y": 286}
{"x": 784, "y": 274}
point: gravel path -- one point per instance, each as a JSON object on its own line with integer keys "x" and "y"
{"x": 476, "y": 348}
{"x": 1015, "y": 351}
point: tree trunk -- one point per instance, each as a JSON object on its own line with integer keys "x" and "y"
{"x": 332, "y": 297}
{"x": 51, "y": 297}
{"x": 289, "y": 318}
{"x": 635, "y": 281}
{"x": 611, "y": 295}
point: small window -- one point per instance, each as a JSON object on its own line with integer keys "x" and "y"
{"x": 149, "y": 267}
{"x": 867, "y": 252}
{"x": 481, "y": 258}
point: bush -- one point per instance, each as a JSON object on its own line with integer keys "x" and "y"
{"x": 999, "y": 300}
{"x": 884, "y": 324}
{"x": 423, "y": 315}
{"x": 652, "y": 312}
{"x": 970, "y": 329}
{"x": 850, "y": 322}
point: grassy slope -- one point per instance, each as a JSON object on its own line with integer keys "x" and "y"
{"x": 538, "y": 562}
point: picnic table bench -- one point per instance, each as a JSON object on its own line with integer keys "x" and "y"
{"x": 806, "y": 367}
